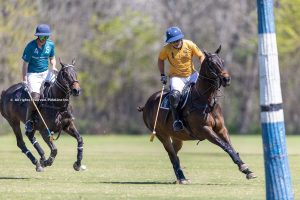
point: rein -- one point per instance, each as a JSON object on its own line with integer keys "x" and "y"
{"x": 214, "y": 84}
{"x": 65, "y": 88}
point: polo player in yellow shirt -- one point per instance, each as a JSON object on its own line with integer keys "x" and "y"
{"x": 180, "y": 53}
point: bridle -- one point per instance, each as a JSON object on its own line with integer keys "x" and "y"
{"x": 215, "y": 80}
{"x": 65, "y": 86}
{"x": 213, "y": 76}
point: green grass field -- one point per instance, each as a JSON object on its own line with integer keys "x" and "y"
{"x": 130, "y": 167}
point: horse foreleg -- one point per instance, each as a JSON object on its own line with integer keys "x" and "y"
{"x": 223, "y": 134}
{"x": 71, "y": 130}
{"x": 53, "y": 149}
{"x": 21, "y": 144}
{"x": 36, "y": 145}
{"x": 166, "y": 141}
{"x": 227, "y": 147}
{"x": 177, "y": 144}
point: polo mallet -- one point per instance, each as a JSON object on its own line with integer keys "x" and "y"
{"x": 50, "y": 134}
{"x": 154, "y": 132}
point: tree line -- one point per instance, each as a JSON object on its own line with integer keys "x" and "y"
{"x": 116, "y": 45}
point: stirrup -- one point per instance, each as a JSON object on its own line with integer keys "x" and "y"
{"x": 177, "y": 125}
{"x": 29, "y": 126}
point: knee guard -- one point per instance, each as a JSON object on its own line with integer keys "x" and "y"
{"x": 174, "y": 98}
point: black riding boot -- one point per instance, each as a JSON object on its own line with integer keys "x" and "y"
{"x": 30, "y": 110}
{"x": 174, "y": 101}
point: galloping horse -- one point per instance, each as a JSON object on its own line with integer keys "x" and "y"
{"x": 202, "y": 117}
{"x": 55, "y": 109}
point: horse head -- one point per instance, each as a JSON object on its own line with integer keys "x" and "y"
{"x": 67, "y": 78}
{"x": 213, "y": 69}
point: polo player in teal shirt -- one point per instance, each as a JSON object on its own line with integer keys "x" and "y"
{"x": 36, "y": 57}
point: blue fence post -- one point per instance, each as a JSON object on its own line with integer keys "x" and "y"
{"x": 277, "y": 172}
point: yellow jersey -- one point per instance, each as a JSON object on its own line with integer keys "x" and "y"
{"x": 181, "y": 60}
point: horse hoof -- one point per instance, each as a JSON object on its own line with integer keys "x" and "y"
{"x": 183, "y": 181}
{"x": 39, "y": 168}
{"x": 76, "y": 167}
{"x": 79, "y": 167}
{"x": 251, "y": 176}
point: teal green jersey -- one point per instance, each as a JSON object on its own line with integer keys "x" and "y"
{"x": 38, "y": 59}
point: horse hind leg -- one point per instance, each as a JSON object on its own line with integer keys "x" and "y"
{"x": 227, "y": 147}
{"x": 166, "y": 141}
{"x": 36, "y": 145}
{"x": 21, "y": 144}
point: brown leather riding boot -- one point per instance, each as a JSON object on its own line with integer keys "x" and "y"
{"x": 30, "y": 110}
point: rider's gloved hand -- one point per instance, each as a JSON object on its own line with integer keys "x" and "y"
{"x": 55, "y": 71}
{"x": 163, "y": 79}
{"x": 24, "y": 82}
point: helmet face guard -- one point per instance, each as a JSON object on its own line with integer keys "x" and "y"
{"x": 173, "y": 34}
{"x": 42, "y": 30}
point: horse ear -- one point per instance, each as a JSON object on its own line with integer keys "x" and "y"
{"x": 218, "y": 50}
{"x": 73, "y": 61}
{"x": 60, "y": 61}
{"x": 205, "y": 53}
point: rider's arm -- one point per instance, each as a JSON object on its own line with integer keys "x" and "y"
{"x": 197, "y": 52}
{"x": 201, "y": 58}
{"x": 161, "y": 66}
{"x": 24, "y": 70}
{"x": 53, "y": 63}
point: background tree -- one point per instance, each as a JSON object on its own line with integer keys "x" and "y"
{"x": 116, "y": 44}
{"x": 288, "y": 37}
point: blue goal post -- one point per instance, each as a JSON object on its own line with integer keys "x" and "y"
{"x": 277, "y": 172}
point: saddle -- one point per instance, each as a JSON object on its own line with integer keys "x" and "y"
{"x": 186, "y": 98}
{"x": 165, "y": 103}
{"x": 20, "y": 95}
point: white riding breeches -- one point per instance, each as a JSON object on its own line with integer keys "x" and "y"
{"x": 35, "y": 80}
{"x": 178, "y": 83}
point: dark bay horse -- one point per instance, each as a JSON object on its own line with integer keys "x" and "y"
{"x": 55, "y": 109}
{"x": 201, "y": 115}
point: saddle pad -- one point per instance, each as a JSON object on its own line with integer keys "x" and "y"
{"x": 165, "y": 103}
{"x": 20, "y": 96}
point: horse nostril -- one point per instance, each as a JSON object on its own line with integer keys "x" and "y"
{"x": 75, "y": 92}
{"x": 226, "y": 81}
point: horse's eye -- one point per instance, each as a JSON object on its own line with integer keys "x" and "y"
{"x": 65, "y": 74}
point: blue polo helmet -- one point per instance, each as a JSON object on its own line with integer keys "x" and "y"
{"x": 173, "y": 33}
{"x": 43, "y": 30}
